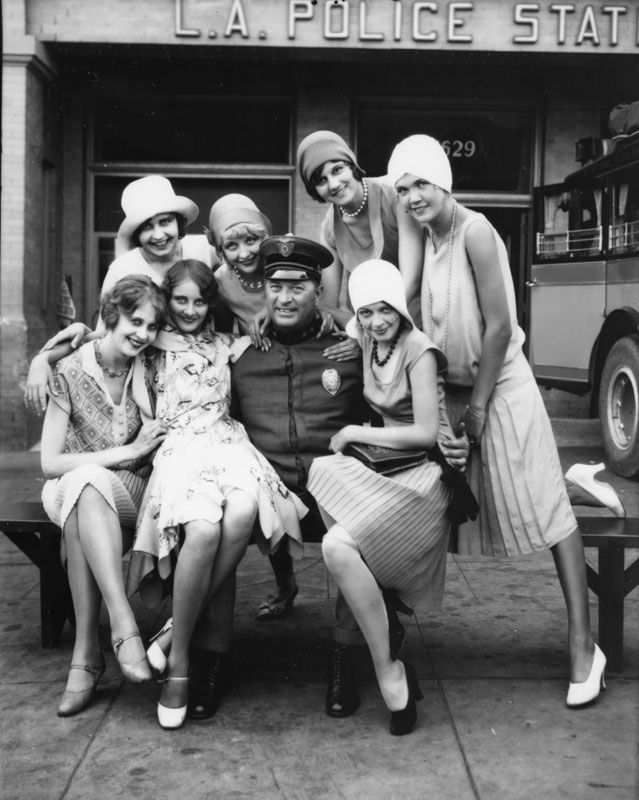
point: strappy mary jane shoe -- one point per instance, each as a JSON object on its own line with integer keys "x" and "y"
{"x": 139, "y": 670}
{"x": 584, "y": 489}
{"x": 274, "y": 608}
{"x": 73, "y": 701}
{"x": 154, "y": 653}
{"x": 172, "y": 718}
{"x": 580, "y": 694}
{"x": 403, "y": 722}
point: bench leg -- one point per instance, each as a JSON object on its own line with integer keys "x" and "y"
{"x": 55, "y": 596}
{"x": 611, "y": 599}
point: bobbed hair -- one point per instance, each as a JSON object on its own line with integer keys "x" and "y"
{"x": 190, "y": 269}
{"x": 316, "y": 176}
{"x": 181, "y": 223}
{"x": 127, "y": 295}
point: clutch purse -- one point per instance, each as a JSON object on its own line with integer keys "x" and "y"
{"x": 385, "y": 460}
{"x": 463, "y": 504}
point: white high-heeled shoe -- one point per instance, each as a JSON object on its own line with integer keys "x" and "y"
{"x": 154, "y": 654}
{"x": 584, "y": 489}
{"x": 579, "y": 694}
{"x": 172, "y": 718}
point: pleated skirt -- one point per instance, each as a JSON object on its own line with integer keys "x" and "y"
{"x": 515, "y": 474}
{"x": 121, "y": 489}
{"x": 400, "y": 522}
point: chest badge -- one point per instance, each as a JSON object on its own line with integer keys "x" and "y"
{"x": 331, "y": 381}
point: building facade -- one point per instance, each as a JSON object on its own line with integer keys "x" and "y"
{"x": 216, "y": 94}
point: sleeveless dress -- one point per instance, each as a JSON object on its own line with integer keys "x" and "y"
{"x": 97, "y": 423}
{"x": 338, "y": 233}
{"x": 206, "y": 455}
{"x": 516, "y": 474}
{"x": 399, "y": 522}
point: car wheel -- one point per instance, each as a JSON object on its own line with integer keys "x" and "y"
{"x": 619, "y": 406}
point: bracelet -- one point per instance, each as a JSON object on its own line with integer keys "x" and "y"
{"x": 477, "y": 414}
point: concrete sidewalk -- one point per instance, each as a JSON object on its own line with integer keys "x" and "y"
{"x": 493, "y": 725}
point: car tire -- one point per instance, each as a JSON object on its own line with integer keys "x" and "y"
{"x": 619, "y": 406}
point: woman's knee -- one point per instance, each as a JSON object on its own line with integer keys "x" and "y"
{"x": 335, "y": 551}
{"x": 239, "y": 514}
{"x": 202, "y": 536}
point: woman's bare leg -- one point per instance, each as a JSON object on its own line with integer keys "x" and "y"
{"x": 571, "y": 568}
{"x": 364, "y": 597}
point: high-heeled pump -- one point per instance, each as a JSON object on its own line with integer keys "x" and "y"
{"x": 580, "y": 694}
{"x": 584, "y": 489}
{"x": 139, "y": 670}
{"x": 154, "y": 653}
{"x": 172, "y": 718}
{"x": 73, "y": 701}
{"x": 403, "y": 722}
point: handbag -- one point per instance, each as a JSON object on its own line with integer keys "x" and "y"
{"x": 385, "y": 460}
{"x": 463, "y": 504}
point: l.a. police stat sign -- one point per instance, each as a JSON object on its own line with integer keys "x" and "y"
{"x": 477, "y": 25}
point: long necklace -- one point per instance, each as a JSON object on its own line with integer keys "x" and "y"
{"x": 257, "y": 285}
{"x": 392, "y": 344}
{"x": 362, "y": 205}
{"x": 431, "y": 324}
{"x": 111, "y": 373}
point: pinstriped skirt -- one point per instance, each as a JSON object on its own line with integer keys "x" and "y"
{"x": 121, "y": 489}
{"x": 516, "y": 474}
{"x": 399, "y": 523}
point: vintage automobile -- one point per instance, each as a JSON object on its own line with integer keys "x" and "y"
{"x": 584, "y": 294}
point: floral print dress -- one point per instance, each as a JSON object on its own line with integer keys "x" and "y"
{"x": 205, "y": 456}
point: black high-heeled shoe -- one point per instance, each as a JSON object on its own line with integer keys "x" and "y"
{"x": 403, "y": 722}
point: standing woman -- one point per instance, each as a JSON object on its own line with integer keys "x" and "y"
{"x": 388, "y": 532}
{"x": 468, "y": 308}
{"x": 93, "y": 453}
{"x": 363, "y": 222}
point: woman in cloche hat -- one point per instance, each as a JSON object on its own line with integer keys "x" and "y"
{"x": 388, "y": 531}
{"x": 468, "y": 309}
{"x": 151, "y": 238}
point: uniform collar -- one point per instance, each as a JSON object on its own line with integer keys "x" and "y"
{"x": 295, "y": 337}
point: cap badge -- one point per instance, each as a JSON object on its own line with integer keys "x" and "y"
{"x": 331, "y": 381}
{"x": 286, "y": 247}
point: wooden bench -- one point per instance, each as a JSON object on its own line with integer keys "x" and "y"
{"x": 27, "y": 526}
{"x": 611, "y": 536}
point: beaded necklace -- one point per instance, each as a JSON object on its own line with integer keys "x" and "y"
{"x": 255, "y": 286}
{"x": 111, "y": 373}
{"x": 431, "y": 324}
{"x": 362, "y": 205}
{"x": 392, "y": 344}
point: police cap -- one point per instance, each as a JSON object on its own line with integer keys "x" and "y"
{"x": 292, "y": 258}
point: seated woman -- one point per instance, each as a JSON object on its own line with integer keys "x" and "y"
{"x": 93, "y": 452}
{"x": 151, "y": 238}
{"x": 209, "y": 484}
{"x": 388, "y": 532}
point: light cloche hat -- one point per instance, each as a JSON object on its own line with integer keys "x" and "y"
{"x": 376, "y": 281}
{"x": 423, "y": 156}
{"x": 146, "y": 197}
{"x": 235, "y": 209}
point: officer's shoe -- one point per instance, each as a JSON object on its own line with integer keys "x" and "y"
{"x": 209, "y": 681}
{"x": 342, "y": 697}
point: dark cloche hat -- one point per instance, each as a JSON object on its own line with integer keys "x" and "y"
{"x": 292, "y": 258}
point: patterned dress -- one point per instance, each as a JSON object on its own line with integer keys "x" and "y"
{"x": 97, "y": 423}
{"x": 400, "y": 522}
{"x": 205, "y": 456}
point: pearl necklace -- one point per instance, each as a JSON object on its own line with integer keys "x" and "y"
{"x": 257, "y": 285}
{"x": 449, "y": 276}
{"x": 362, "y": 205}
{"x": 109, "y": 372}
{"x": 393, "y": 343}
